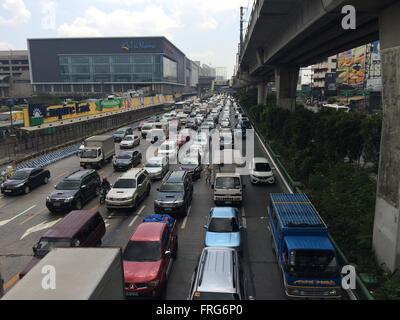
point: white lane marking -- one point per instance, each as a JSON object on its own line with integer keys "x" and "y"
{"x": 244, "y": 220}
{"x": 137, "y": 216}
{"x": 186, "y": 218}
{"x": 42, "y": 226}
{"x": 4, "y": 222}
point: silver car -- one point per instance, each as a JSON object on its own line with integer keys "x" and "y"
{"x": 218, "y": 276}
{"x": 157, "y": 167}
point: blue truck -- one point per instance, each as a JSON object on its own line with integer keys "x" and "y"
{"x": 306, "y": 256}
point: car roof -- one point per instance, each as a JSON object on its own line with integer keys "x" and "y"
{"x": 28, "y": 170}
{"x": 79, "y": 174}
{"x": 216, "y": 273}
{"x": 223, "y": 212}
{"x": 156, "y": 159}
{"x": 149, "y": 231}
{"x": 69, "y": 226}
{"x": 131, "y": 174}
{"x": 228, "y": 175}
{"x": 260, "y": 160}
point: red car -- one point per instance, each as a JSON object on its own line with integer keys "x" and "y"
{"x": 182, "y": 138}
{"x": 148, "y": 259}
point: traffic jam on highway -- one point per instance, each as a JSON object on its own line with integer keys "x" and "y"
{"x": 192, "y": 199}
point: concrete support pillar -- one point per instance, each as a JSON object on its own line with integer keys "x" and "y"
{"x": 286, "y": 79}
{"x": 262, "y": 93}
{"x": 386, "y": 241}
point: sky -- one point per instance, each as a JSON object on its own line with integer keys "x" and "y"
{"x": 205, "y": 30}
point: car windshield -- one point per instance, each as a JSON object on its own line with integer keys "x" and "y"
{"x": 227, "y": 183}
{"x": 89, "y": 154}
{"x": 125, "y": 184}
{"x": 262, "y": 167}
{"x": 128, "y": 139}
{"x": 20, "y": 175}
{"x": 119, "y": 133}
{"x": 68, "y": 185}
{"x": 172, "y": 187}
{"x": 147, "y": 127}
{"x": 141, "y": 251}
{"x": 124, "y": 156}
{"x": 223, "y": 225}
{"x": 46, "y": 245}
{"x": 314, "y": 261}
{"x": 215, "y": 296}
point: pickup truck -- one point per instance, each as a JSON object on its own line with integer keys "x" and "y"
{"x": 148, "y": 257}
{"x": 305, "y": 253}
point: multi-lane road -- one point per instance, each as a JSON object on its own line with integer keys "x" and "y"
{"x": 24, "y": 219}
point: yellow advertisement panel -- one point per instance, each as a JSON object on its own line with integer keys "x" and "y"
{"x": 351, "y": 67}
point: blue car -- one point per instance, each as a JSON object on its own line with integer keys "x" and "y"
{"x": 223, "y": 229}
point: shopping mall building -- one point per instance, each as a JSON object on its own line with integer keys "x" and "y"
{"x": 110, "y": 65}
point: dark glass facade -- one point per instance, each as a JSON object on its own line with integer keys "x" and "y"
{"x": 127, "y": 68}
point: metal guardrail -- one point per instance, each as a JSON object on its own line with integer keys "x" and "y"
{"x": 361, "y": 292}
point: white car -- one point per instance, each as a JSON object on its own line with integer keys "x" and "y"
{"x": 129, "y": 190}
{"x": 130, "y": 142}
{"x": 157, "y": 167}
{"x": 202, "y": 140}
{"x": 261, "y": 171}
{"x": 168, "y": 149}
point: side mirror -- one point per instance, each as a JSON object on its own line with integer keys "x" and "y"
{"x": 158, "y": 189}
{"x": 168, "y": 253}
{"x": 212, "y": 186}
{"x": 83, "y": 187}
{"x": 35, "y": 249}
{"x": 205, "y": 227}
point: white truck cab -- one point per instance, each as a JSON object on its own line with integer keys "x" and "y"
{"x": 228, "y": 189}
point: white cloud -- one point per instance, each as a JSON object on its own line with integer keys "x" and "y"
{"x": 17, "y": 13}
{"x": 152, "y": 20}
{"x": 6, "y": 46}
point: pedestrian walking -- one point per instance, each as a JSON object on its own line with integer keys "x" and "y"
{"x": 208, "y": 174}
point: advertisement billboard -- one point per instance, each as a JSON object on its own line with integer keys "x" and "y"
{"x": 373, "y": 71}
{"x": 351, "y": 68}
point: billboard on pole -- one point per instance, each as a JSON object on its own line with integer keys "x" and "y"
{"x": 351, "y": 68}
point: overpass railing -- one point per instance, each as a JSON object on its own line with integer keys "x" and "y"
{"x": 361, "y": 292}
{"x": 250, "y": 26}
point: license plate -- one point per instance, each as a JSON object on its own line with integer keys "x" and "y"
{"x": 168, "y": 209}
{"x": 132, "y": 294}
{"x": 7, "y": 191}
{"x": 57, "y": 204}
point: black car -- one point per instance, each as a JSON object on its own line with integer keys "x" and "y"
{"x": 24, "y": 180}
{"x": 121, "y": 134}
{"x": 74, "y": 191}
{"x": 127, "y": 160}
{"x": 175, "y": 194}
{"x": 192, "y": 166}
{"x": 191, "y": 124}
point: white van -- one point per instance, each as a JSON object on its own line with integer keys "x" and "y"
{"x": 228, "y": 189}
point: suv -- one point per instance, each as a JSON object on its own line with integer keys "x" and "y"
{"x": 129, "y": 190}
{"x": 175, "y": 194}
{"x": 74, "y": 191}
{"x": 218, "y": 276}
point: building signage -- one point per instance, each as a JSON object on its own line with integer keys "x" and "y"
{"x": 137, "y": 44}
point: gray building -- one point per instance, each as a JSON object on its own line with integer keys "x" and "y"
{"x": 14, "y": 74}
{"x": 108, "y": 65}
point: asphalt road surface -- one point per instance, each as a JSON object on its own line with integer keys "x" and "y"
{"x": 24, "y": 219}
